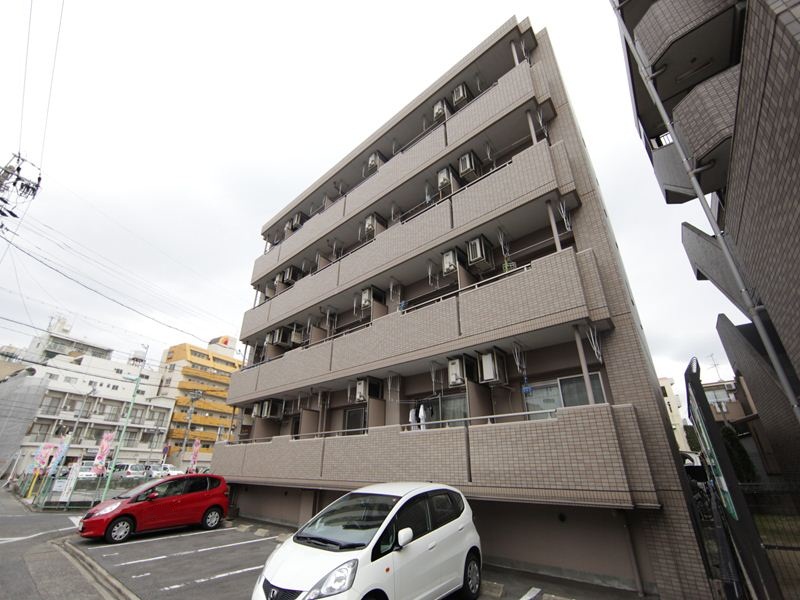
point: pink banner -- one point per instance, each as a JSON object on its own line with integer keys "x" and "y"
{"x": 195, "y": 452}
{"x": 42, "y": 456}
{"x": 99, "y": 466}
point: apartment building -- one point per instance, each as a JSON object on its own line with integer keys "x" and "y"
{"x": 87, "y": 397}
{"x": 197, "y": 379}
{"x": 447, "y": 303}
{"x": 726, "y": 75}
{"x": 58, "y": 340}
{"x": 673, "y": 403}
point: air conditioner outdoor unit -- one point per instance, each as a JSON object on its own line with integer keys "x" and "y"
{"x": 492, "y": 367}
{"x": 371, "y": 293}
{"x": 450, "y": 260}
{"x": 461, "y": 369}
{"x": 298, "y": 219}
{"x": 373, "y": 224}
{"x": 445, "y": 179}
{"x": 291, "y": 274}
{"x": 279, "y": 278}
{"x": 374, "y": 161}
{"x": 282, "y": 337}
{"x": 461, "y": 95}
{"x": 288, "y": 226}
{"x": 291, "y": 407}
{"x": 440, "y": 110}
{"x": 731, "y": 387}
{"x": 273, "y": 409}
{"x": 297, "y": 335}
{"x": 368, "y": 388}
{"x": 479, "y": 251}
{"x": 469, "y": 166}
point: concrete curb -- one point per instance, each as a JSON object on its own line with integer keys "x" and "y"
{"x": 99, "y": 575}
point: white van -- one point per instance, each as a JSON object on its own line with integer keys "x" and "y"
{"x": 395, "y": 540}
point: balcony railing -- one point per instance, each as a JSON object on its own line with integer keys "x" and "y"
{"x": 595, "y": 457}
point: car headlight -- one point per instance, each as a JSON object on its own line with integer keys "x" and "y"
{"x": 107, "y": 509}
{"x": 337, "y": 581}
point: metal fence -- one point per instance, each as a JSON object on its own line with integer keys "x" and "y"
{"x": 776, "y": 512}
{"x": 61, "y": 493}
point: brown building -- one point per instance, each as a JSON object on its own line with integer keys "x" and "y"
{"x": 447, "y": 303}
{"x": 726, "y": 74}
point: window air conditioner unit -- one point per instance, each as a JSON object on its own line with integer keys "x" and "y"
{"x": 450, "y": 260}
{"x": 368, "y": 388}
{"x": 291, "y": 274}
{"x": 374, "y": 161}
{"x": 282, "y": 337}
{"x": 461, "y": 95}
{"x": 298, "y": 219}
{"x": 461, "y": 369}
{"x": 479, "y": 251}
{"x": 469, "y": 166}
{"x": 370, "y": 294}
{"x": 731, "y": 387}
{"x": 492, "y": 367}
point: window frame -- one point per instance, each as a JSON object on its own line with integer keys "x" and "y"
{"x": 556, "y": 381}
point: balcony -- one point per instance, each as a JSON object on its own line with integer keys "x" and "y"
{"x": 671, "y": 175}
{"x": 682, "y": 43}
{"x": 534, "y": 175}
{"x": 704, "y": 122}
{"x": 595, "y": 457}
{"x": 558, "y": 289}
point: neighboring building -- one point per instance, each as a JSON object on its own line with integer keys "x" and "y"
{"x": 673, "y": 403}
{"x": 459, "y": 264}
{"x": 20, "y": 396}
{"x": 90, "y": 396}
{"x": 11, "y": 353}
{"x": 56, "y": 341}
{"x": 198, "y": 378}
{"x": 726, "y": 73}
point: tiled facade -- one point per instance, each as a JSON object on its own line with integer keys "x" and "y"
{"x": 544, "y": 310}
{"x": 738, "y": 122}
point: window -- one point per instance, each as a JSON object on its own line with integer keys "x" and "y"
{"x": 143, "y": 376}
{"x": 52, "y": 376}
{"x": 573, "y": 390}
{"x": 140, "y": 392}
{"x": 70, "y": 380}
{"x": 196, "y": 484}
{"x": 355, "y": 421}
{"x": 170, "y": 488}
{"x": 118, "y": 371}
{"x": 564, "y": 392}
{"x": 443, "y": 508}
{"x": 386, "y": 541}
{"x": 114, "y": 387}
{"x": 663, "y": 391}
{"x": 414, "y": 514}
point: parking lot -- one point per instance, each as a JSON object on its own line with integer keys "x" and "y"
{"x": 187, "y": 563}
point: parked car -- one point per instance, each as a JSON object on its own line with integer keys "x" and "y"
{"x": 171, "y": 502}
{"x": 86, "y": 472}
{"x": 158, "y": 471}
{"x": 128, "y": 470}
{"x": 395, "y": 540}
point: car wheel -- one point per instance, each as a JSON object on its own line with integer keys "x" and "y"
{"x": 212, "y": 518}
{"x": 119, "y": 530}
{"x": 472, "y": 577}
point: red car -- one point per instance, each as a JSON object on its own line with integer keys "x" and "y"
{"x": 170, "y": 502}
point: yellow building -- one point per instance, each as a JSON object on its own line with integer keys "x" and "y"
{"x": 198, "y": 379}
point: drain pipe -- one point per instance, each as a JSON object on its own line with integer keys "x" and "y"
{"x": 752, "y": 309}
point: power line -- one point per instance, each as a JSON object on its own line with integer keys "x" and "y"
{"x": 19, "y": 287}
{"x": 25, "y": 78}
{"x": 99, "y": 293}
{"x": 52, "y": 77}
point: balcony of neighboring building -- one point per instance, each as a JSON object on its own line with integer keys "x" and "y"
{"x": 418, "y": 223}
{"x": 682, "y": 43}
{"x": 454, "y": 115}
{"x": 195, "y": 386}
{"x": 535, "y": 291}
{"x": 199, "y": 418}
{"x": 214, "y": 406}
{"x": 206, "y": 374}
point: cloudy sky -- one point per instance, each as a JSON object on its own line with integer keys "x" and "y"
{"x": 177, "y": 128}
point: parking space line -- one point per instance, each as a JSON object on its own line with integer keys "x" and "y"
{"x": 111, "y": 554}
{"x": 212, "y": 578}
{"x": 33, "y": 535}
{"x": 187, "y": 552}
{"x": 158, "y": 539}
{"x": 137, "y": 576}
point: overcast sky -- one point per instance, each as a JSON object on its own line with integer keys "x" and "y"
{"x": 178, "y": 128}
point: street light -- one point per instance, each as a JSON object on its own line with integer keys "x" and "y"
{"x": 113, "y": 464}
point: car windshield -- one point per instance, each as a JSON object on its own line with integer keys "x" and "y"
{"x": 349, "y": 523}
{"x": 136, "y": 491}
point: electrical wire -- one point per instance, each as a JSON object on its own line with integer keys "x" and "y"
{"x": 52, "y": 77}
{"x": 99, "y": 293}
{"x": 25, "y": 78}
{"x": 19, "y": 287}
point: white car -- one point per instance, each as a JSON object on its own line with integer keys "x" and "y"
{"x": 86, "y": 472}
{"x": 165, "y": 470}
{"x": 389, "y": 540}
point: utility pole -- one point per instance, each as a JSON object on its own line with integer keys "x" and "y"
{"x": 125, "y": 424}
{"x": 194, "y": 395}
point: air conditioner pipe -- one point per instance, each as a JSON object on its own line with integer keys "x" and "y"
{"x": 750, "y": 305}
{"x": 553, "y": 225}
{"x": 514, "y": 52}
{"x": 584, "y": 367}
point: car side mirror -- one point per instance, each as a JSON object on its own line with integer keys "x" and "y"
{"x": 152, "y": 495}
{"x": 404, "y": 536}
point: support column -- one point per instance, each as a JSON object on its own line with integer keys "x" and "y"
{"x": 531, "y": 126}
{"x": 553, "y": 226}
{"x": 514, "y": 52}
{"x": 584, "y": 367}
